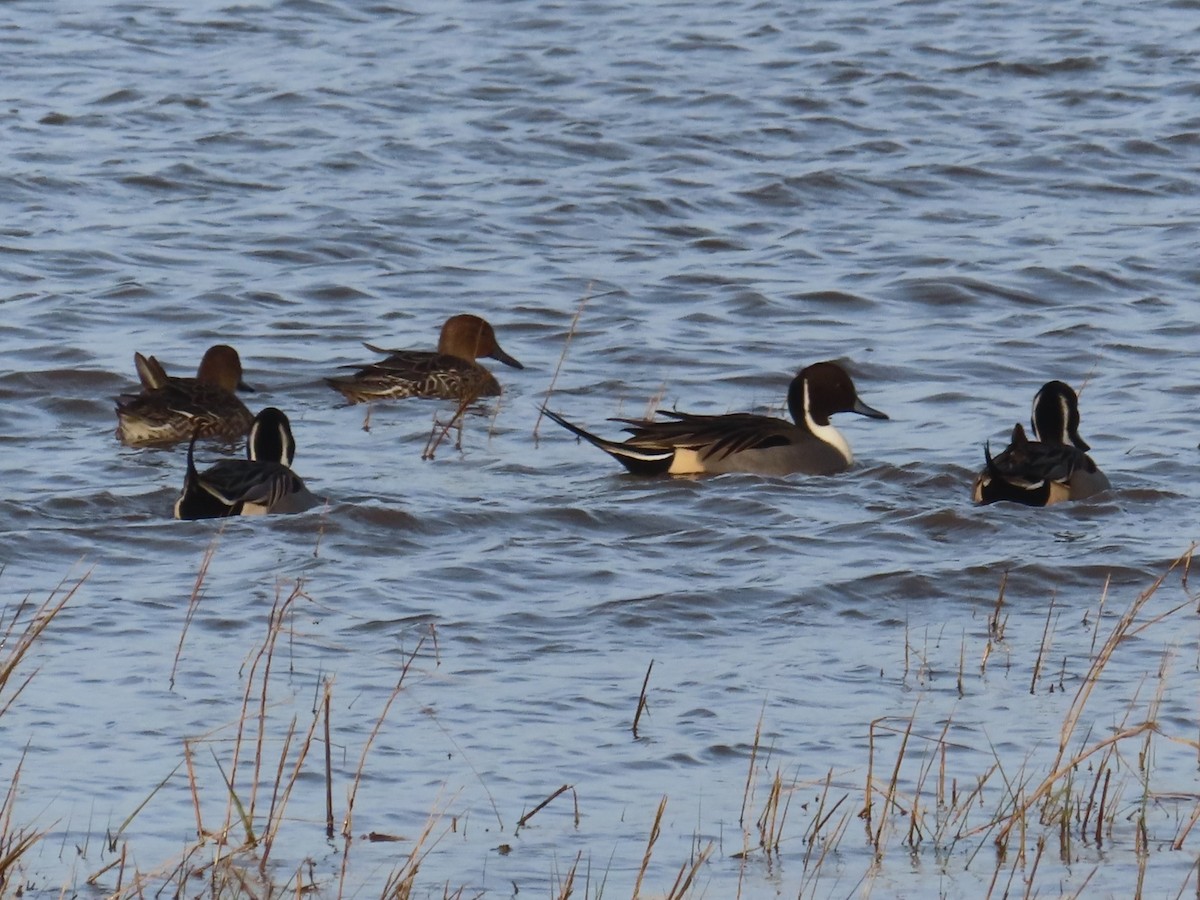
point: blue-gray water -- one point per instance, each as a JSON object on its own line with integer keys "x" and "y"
{"x": 959, "y": 201}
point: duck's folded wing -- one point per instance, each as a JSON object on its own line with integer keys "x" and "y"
{"x": 409, "y": 364}
{"x": 1034, "y": 463}
{"x": 262, "y": 483}
{"x": 713, "y": 437}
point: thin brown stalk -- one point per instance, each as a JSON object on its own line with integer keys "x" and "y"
{"x": 263, "y": 658}
{"x": 641, "y": 705}
{"x": 401, "y": 881}
{"x": 1048, "y": 783}
{"x": 194, "y": 600}
{"x": 465, "y": 757}
{"x": 819, "y": 817}
{"x": 1091, "y": 802}
{"x": 687, "y": 874}
{"x": 362, "y": 760}
{"x": 568, "y": 885}
{"x": 529, "y": 815}
{"x": 769, "y": 813}
{"x": 891, "y": 791}
{"x": 321, "y": 528}
{"x": 868, "y": 795}
{"x": 142, "y": 805}
{"x": 191, "y": 770}
{"x": 1100, "y": 613}
{"x": 38, "y": 622}
{"x": 562, "y": 358}
{"x": 962, "y": 661}
{"x": 1177, "y": 844}
{"x": 1037, "y": 666}
{"x": 1126, "y": 627}
{"x": 1100, "y": 811}
{"x": 1037, "y": 858}
{"x": 14, "y": 842}
{"x": 996, "y": 624}
{"x": 438, "y": 432}
{"x": 750, "y": 768}
{"x": 829, "y": 846}
{"x": 329, "y": 826}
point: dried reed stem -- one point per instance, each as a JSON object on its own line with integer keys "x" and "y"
{"x": 362, "y": 760}
{"x": 750, "y": 768}
{"x": 655, "y": 830}
{"x": 641, "y": 704}
{"x": 562, "y": 358}
{"x": 194, "y": 599}
{"x": 529, "y": 815}
{"x": 1037, "y": 665}
{"x": 329, "y": 826}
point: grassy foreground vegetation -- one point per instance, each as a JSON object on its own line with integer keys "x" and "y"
{"x": 1017, "y": 825}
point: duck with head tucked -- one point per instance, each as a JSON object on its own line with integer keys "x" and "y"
{"x": 449, "y": 373}
{"x": 1051, "y": 468}
{"x": 687, "y": 444}
{"x": 171, "y": 409}
{"x": 262, "y": 483}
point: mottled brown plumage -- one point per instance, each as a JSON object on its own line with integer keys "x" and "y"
{"x": 171, "y": 409}
{"x": 450, "y": 373}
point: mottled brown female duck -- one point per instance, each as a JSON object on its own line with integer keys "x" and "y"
{"x": 171, "y": 409}
{"x": 449, "y": 373}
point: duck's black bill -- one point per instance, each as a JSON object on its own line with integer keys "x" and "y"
{"x": 870, "y": 412}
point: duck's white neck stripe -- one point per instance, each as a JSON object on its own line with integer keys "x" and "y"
{"x": 826, "y": 433}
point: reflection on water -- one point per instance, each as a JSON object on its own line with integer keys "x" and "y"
{"x": 957, "y": 207}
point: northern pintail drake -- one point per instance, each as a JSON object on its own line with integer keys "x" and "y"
{"x": 171, "y": 409}
{"x": 687, "y": 444}
{"x": 1049, "y": 469}
{"x": 262, "y": 483}
{"x": 449, "y": 373}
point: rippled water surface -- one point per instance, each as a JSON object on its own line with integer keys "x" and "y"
{"x": 957, "y": 201}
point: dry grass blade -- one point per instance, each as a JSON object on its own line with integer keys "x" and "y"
{"x": 1126, "y": 627}
{"x": 655, "y": 830}
{"x": 37, "y": 623}
{"x": 563, "y": 356}
{"x": 194, "y": 599}
{"x": 362, "y": 760}
{"x": 279, "y": 799}
{"x": 750, "y": 768}
{"x": 329, "y": 825}
{"x": 14, "y": 842}
{"x": 1041, "y": 654}
{"x": 568, "y": 884}
{"x": 402, "y": 880}
{"x": 15, "y": 644}
{"x": 128, "y": 819}
{"x": 440, "y": 429}
{"x": 687, "y": 874}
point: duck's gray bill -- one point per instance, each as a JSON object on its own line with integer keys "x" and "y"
{"x": 506, "y": 359}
